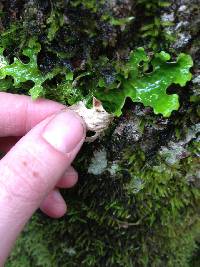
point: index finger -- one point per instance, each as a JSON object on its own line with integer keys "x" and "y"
{"x": 19, "y": 113}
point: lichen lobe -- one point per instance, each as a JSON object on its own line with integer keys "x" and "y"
{"x": 97, "y": 119}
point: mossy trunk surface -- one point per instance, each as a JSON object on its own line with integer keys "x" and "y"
{"x": 137, "y": 201}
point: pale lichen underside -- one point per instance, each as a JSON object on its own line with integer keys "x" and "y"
{"x": 97, "y": 119}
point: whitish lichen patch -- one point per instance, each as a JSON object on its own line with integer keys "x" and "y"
{"x": 113, "y": 169}
{"x": 176, "y": 151}
{"x": 196, "y": 80}
{"x": 99, "y": 163}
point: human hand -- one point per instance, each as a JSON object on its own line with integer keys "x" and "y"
{"x": 37, "y": 164}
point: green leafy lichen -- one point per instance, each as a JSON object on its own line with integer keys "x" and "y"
{"x": 147, "y": 88}
{"x": 23, "y": 72}
{"x": 150, "y": 88}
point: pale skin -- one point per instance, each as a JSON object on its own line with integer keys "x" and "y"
{"x": 41, "y": 139}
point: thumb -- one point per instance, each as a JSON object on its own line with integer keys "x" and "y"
{"x": 31, "y": 170}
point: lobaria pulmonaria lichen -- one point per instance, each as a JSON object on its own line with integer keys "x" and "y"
{"x": 133, "y": 80}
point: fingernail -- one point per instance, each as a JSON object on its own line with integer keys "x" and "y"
{"x": 65, "y": 131}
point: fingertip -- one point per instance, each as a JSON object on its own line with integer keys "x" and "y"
{"x": 54, "y": 205}
{"x": 69, "y": 179}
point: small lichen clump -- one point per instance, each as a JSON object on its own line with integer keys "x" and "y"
{"x": 97, "y": 120}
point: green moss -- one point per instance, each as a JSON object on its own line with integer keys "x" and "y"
{"x": 153, "y": 28}
{"x": 54, "y": 22}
